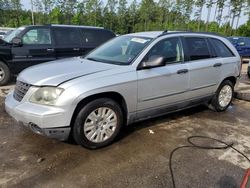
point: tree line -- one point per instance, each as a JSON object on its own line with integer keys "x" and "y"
{"x": 121, "y": 16}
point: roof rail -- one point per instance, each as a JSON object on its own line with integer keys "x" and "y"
{"x": 190, "y": 32}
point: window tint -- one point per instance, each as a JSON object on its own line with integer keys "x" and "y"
{"x": 67, "y": 36}
{"x": 37, "y": 36}
{"x": 95, "y": 37}
{"x": 197, "y": 48}
{"x": 170, "y": 49}
{"x": 221, "y": 49}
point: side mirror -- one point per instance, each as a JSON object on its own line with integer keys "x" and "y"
{"x": 242, "y": 44}
{"x": 153, "y": 61}
{"x": 17, "y": 41}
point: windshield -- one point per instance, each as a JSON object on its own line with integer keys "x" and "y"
{"x": 121, "y": 50}
{"x": 11, "y": 35}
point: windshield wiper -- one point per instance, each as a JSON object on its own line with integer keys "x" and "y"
{"x": 92, "y": 59}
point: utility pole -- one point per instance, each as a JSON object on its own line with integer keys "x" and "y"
{"x": 32, "y": 13}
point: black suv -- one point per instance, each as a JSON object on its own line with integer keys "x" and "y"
{"x": 30, "y": 45}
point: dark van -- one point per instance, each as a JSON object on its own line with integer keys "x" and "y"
{"x": 31, "y": 45}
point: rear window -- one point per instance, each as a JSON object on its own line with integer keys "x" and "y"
{"x": 96, "y": 37}
{"x": 197, "y": 48}
{"x": 221, "y": 49}
{"x": 67, "y": 36}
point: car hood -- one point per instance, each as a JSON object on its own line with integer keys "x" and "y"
{"x": 57, "y": 72}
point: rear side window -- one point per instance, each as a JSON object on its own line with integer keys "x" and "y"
{"x": 197, "y": 48}
{"x": 221, "y": 49}
{"x": 247, "y": 41}
{"x": 67, "y": 36}
{"x": 96, "y": 37}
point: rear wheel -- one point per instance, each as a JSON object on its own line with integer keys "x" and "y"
{"x": 4, "y": 74}
{"x": 223, "y": 97}
{"x": 98, "y": 123}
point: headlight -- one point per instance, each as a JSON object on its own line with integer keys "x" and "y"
{"x": 46, "y": 95}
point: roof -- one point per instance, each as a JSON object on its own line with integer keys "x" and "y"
{"x": 236, "y": 37}
{"x": 62, "y": 25}
{"x": 81, "y": 26}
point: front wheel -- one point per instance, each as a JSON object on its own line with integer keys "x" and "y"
{"x": 223, "y": 97}
{"x": 98, "y": 123}
{"x": 4, "y": 74}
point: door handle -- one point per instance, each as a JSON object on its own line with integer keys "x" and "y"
{"x": 50, "y": 50}
{"x": 76, "y": 49}
{"x": 182, "y": 71}
{"x": 217, "y": 64}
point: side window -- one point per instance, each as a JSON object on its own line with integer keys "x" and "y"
{"x": 170, "y": 49}
{"x": 247, "y": 42}
{"x": 197, "y": 48}
{"x": 67, "y": 36}
{"x": 96, "y": 37}
{"x": 221, "y": 49}
{"x": 37, "y": 36}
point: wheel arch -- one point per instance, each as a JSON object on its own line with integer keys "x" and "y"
{"x": 117, "y": 97}
{"x": 3, "y": 60}
{"x": 232, "y": 79}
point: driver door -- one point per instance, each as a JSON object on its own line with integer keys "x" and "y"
{"x": 162, "y": 87}
{"x": 37, "y": 47}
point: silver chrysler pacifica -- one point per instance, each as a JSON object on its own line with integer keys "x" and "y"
{"x": 130, "y": 78}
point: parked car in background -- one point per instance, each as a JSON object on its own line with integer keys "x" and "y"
{"x": 4, "y": 31}
{"x": 31, "y": 45}
{"x": 242, "y": 44}
{"x": 7, "y": 33}
{"x": 128, "y": 79}
{"x": 2, "y": 34}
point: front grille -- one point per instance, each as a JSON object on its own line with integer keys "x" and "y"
{"x": 21, "y": 89}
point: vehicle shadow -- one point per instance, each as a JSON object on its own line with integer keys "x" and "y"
{"x": 127, "y": 130}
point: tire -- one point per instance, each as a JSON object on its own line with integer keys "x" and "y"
{"x": 248, "y": 72}
{"x": 102, "y": 130}
{"x": 216, "y": 103}
{"x": 4, "y": 74}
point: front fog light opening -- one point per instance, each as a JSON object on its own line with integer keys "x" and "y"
{"x": 35, "y": 128}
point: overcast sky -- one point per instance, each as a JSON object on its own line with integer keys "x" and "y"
{"x": 243, "y": 19}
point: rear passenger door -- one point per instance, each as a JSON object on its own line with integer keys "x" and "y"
{"x": 68, "y": 42}
{"x": 225, "y": 57}
{"x": 204, "y": 67}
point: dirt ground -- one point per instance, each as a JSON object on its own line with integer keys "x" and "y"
{"x": 139, "y": 158}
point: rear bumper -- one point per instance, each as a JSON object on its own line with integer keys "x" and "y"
{"x": 245, "y": 59}
{"x": 44, "y": 120}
